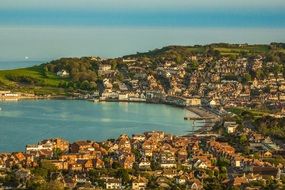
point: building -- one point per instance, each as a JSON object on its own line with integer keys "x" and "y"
{"x": 62, "y": 73}
{"x": 230, "y": 127}
{"x": 139, "y": 184}
{"x": 113, "y": 183}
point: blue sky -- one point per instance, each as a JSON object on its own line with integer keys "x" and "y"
{"x": 202, "y": 13}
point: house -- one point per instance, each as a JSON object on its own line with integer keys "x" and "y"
{"x": 193, "y": 101}
{"x": 181, "y": 180}
{"x": 238, "y": 181}
{"x": 61, "y": 144}
{"x": 38, "y": 147}
{"x": 231, "y": 128}
{"x": 213, "y": 103}
{"x": 60, "y": 164}
{"x": 200, "y": 164}
{"x": 236, "y": 161}
{"x": 123, "y": 87}
{"x": 124, "y": 143}
{"x": 169, "y": 173}
{"x": 86, "y": 164}
{"x": 144, "y": 163}
{"x": 98, "y": 163}
{"x": 148, "y": 152}
{"x": 195, "y": 184}
{"x": 75, "y": 166}
{"x": 19, "y": 156}
{"x": 163, "y": 182}
{"x": 113, "y": 183}
{"x": 62, "y": 73}
{"x": 139, "y": 184}
{"x": 123, "y": 97}
{"x": 182, "y": 155}
{"x": 168, "y": 164}
{"x": 256, "y": 137}
{"x": 128, "y": 162}
{"x": 81, "y": 146}
{"x": 104, "y": 67}
{"x": 139, "y": 137}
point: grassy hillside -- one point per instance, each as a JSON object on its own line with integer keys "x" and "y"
{"x": 32, "y": 79}
{"x": 224, "y": 49}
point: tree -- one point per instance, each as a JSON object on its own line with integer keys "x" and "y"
{"x": 243, "y": 139}
{"x": 85, "y": 85}
{"x": 55, "y": 185}
{"x": 57, "y": 152}
{"x": 246, "y": 78}
{"x": 122, "y": 173}
{"x": 44, "y": 169}
{"x": 116, "y": 165}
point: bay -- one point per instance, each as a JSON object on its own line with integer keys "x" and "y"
{"x": 27, "y": 122}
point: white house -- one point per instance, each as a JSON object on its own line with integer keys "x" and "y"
{"x": 105, "y": 67}
{"x": 230, "y": 127}
{"x": 113, "y": 184}
{"x": 62, "y": 73}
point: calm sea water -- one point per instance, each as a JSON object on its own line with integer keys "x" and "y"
{"x": 26, "y": 122}
{"x": 7, "y": 65}
{"x": 48, "y": 43}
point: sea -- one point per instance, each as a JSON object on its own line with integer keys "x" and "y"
{"x": 22, "y": 46}
{"x": 29, "y": 121}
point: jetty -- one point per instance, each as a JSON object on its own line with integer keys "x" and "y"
{"x": 198, "y": 118}
{"x": 202, "y": 115}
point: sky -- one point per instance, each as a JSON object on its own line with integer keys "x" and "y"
{"x": 139, "y": 4}
{"x": 48, "y": 29}
{"x": 182, "y": 13}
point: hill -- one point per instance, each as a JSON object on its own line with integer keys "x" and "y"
{"x": 84, "y": 73}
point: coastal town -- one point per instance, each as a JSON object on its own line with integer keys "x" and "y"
{"x": 238, "y": 94}
{"x": 172, "y": 75}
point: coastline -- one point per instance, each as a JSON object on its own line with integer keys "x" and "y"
{"x": 196, "y": 111}
{"x": 200, "y": 128}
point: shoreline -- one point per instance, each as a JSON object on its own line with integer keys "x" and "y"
{"x": 202, "y": 128}
{"x": 199, "y": 111}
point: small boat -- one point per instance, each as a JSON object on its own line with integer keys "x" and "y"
{"x": 0, "y": 109}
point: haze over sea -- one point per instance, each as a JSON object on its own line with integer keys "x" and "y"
{"x": 43, "y": 30}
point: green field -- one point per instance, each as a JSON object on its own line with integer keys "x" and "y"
{"x": 39, "y": 81}
{"x": 250, "y": 49}
{"x": 254, "y": 112}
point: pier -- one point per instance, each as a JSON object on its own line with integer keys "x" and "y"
{"x": 202, "y": 115}
{"x": 198, "y": 118}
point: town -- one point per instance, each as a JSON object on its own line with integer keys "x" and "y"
{"x": 216, "y": 75}
{"x": 152, "y": 160}
{"x": 238, "y": 89}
